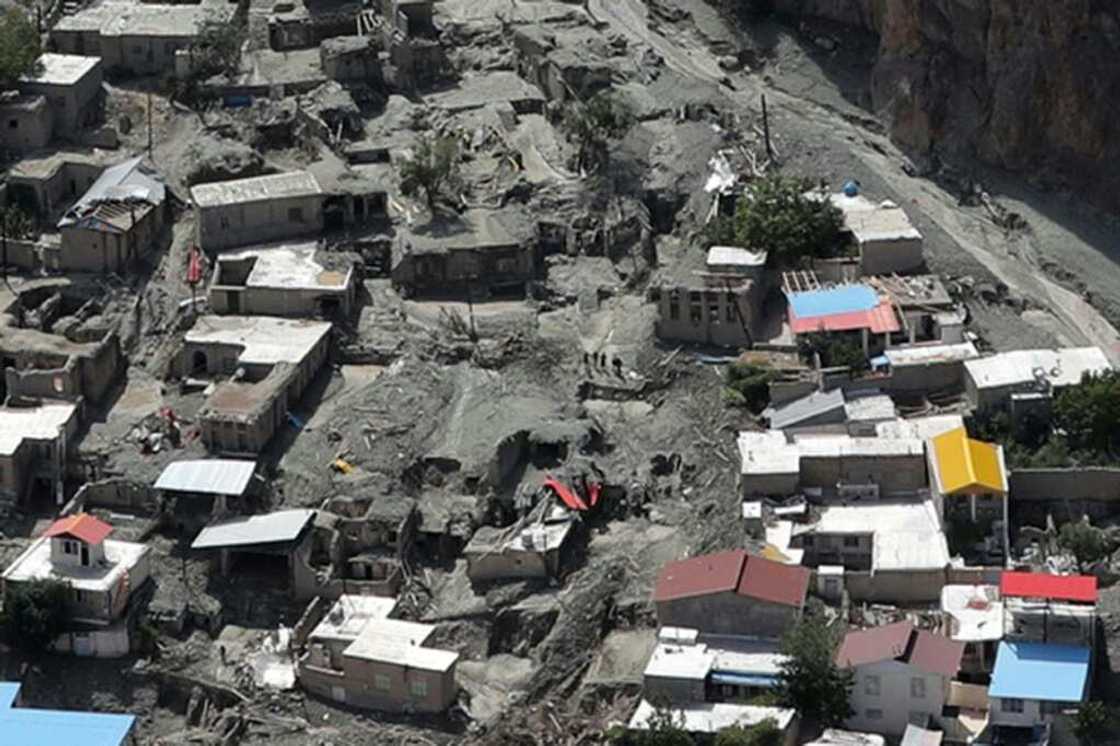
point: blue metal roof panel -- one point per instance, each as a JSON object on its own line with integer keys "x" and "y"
{"x": 745, "y": 679}
{"x": 19, "y": 725}
{"x": 9, "y": 690}
{"x": 1032, "y": 670}
{"x": 835, "y": 300}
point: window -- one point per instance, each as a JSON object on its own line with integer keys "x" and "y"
{"x": 674, "y": 310}
{"x": 381, "y": 682}
{"x": 730, "y": 308}
{"x": 851, "y": 542}
{"x": 873, "y": 714}
{"x": 69, "y": 547}
{"x": 13, "y": 124}
{"x": 713, "y": 313}
{"x": 223, "y": 221}
{"x": 871, "y": 686}
{"x": 418, "y": 688}
{"x": 295, "y": 214}
{"x": 808, "y": 541}
{"x": 918, "y": 687}
{"x": 695, "y": 314}
{"x": 1011, "y": 705}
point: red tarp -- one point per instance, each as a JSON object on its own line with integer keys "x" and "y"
{"x": 566, "y": 496}
{"x": 194, "y": 266}
{"x": 1043, "y": 585}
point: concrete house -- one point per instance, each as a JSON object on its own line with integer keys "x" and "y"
{"x": 733, "y": 593}
{"x": 39, "y": 364}
{"x": 358, "y": 656}
{"x": 855, "y": 310}
{"x": 257, "y": 210}
{"x": 31, "y": 725}
{"x": 902, "y": 676}
{"x": 275, "y": 545}
{"x": 35, "y": 443}
{"x": 46, "y": 185}
{"x": 968, "y": 479}
{"x": 197, "y": 491}
{"x": 71, "y": 85}
{"x": 103, "y": 575}
{"x": 974, "y": 615}
{"x": 295, "y": 279}
{"x": 1033, "y": 682}
{"x": 995, "y": 380}
{"x": 520, "y": 551}
{"x": 884, "y": 236}
{"x": 268, "y": 364}
{"x": 116, "y": 222}
{"x": 1050, "y": 608}
{"x": 25, "y": 120}
{"x": 927, "y": 368}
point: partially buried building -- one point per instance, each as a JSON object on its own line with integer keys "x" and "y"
{"x": 257, "y": 209}
{"x": 35, "y": 442}
{"x": 268, "y": 364}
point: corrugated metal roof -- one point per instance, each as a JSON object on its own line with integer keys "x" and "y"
{"x": 1044, "y": 585}
{"x": 774, "y": 582}
{"x": 270, "y": 528}
{"x": 123, "y": 182}
{"x": 1034, "y": 670}
{"x": 861, "y": 647}
{"x": 699, "y": 576}
{"x": 881, "y": 319}
{"x": 935, "y": 653}
{"x": 209, "y": 476}
{"x": 834, "y": 300}
{"x": 968, "y": 467}
{"x": 810, "y": 407}
{"x": 27, "y": 726}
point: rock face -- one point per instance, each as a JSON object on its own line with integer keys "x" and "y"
{"x": 1028, "y": 86}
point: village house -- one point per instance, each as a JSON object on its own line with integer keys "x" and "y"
{"x": 929, "y": 313}
{"x": 136, "y": 38}
{"x": 902, "y": 676}
{"x": 722, "y": 306}
{"x": 886, "y": 241}
{"x": 1050, "y": 608}
{"x": 974, "y": 615}
{"x": 532, "y": 550}
{"x": 356, "y": 655}
{"x": 36, "y": 441}
{"x": 857, "y": 311}
{"x": 268, "y": 547}
{"x": 268, "y": 364}
{"x": 45, "y": 185}
{"x": 304, "y": 25}
{"x": 116, "y": 222}
{"x": 257, "y": 210}
{"x": 730, "y": 593}
{"x": 408, "y": 35}
{"x": 26, "y": 120}
{"x": 996, "y": 381}
{"x": 71, "y": 85}
{"x": 968, "y": 480}
{"x": 30, "y": 725}
{"x": 474, "y": 257}
{"x": 835, "y": 411}
{"x": 560, "y": 61}
{"x": 296, "y": 279}
{"x": 103, "y": 575}
{"x": 933, "y": 368}
{"x": 706, "y": 719}
{"x": 351, "y": 59}
{"x": 40, "y": 364}
{"x": 197, "y": 491}
{"x": 1033, "y": 682}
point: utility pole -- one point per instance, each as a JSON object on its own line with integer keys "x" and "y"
{"x": 150, "y": 124}
{"x": 766, "y": 128}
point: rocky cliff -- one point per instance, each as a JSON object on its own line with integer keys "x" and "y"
{"x": 1030, "y": 86}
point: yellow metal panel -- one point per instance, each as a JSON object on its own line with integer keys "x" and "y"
{"x": 967, "y": 466}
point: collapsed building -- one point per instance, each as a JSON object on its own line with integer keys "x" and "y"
{"x": 269, "y": 363}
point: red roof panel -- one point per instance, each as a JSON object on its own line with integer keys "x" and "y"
{"x": 699, "y": 576}
{"x": 81, "y": 526}
{"x": 775, "y": 582}
{"x": 936, "y": 654}
{"x": 873, "y": 645}
{"x": 879, "y": 320}
{"x": 1054, "y": 587}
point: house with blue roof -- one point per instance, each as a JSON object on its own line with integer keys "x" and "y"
{"x": 1034, "y": 681}
{"x": 29, "y": 726}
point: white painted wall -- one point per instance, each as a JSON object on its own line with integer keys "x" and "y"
{"x": 894, "y": 697}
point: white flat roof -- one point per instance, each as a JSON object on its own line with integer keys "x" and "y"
{"x": 255, "y": 189}
{"x": 351, "y": 614}
{"x": 291, "y": 266}
{"x": 35, "y": 564}
{"x": 60, "y": 69}
{"x": 735, "y": 256}
{"x": 881, "y": 224}
{"x": 837, "y": 737}
{"x": 744, "y": 654}
{"x": 1060, "y": 367}
{"x": 768, "y": 452}
{"x": 264, "y": 339}
{"x": 905, "y": 535}
{"x": 841, "y": 446}
{"x": 269, "y": 528}
{"x": 712, "y": 717}
{"x": 869, "y": 408}
{"x": 926, "y": 354}
{"x": 400, "y": 643}
{"x": 143, "y": 19}
{"x": 919, "y": 428}
{"x": 212, "y": 476}
{"x": 40, "y": 422}
{"x": 976, "y": 612}
{"x": 673, "y": 661}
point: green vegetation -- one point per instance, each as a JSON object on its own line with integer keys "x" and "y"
{"x": 14, "y": 223}
{"x": 774, "y": 214}
{"x": 809, "y": 680}
{"x": 217, "y": 49}
{"x": 663, "y": 730}
{"x": 1088, "y": 414}
{"x": 835, "y": 350}
{"x": 19, "y": 46}
{"x": 748, "y": 386}
{"x": 1085, "y": 543}
{"x": 592, "y": 125}
{"x": 433, "y": 168}
{"x": 1096, "y": 723}
{"x": 34, "y": 614}
{"x": 765, "y": 733}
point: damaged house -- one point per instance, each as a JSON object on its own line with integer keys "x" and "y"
{"x": 36, "y": 441}
{"x": 197, "y": 491}
{"x": 259, "y": 209}
{"x": 885, "y": 239}
{"x": 267, "y": 546}
{"x": 531, "y": 548}
{"x": 116, "y": 222}
{"x": 371, "y": 540}
{"x": 268, "y": 364}
{"x": 296, "y": 279}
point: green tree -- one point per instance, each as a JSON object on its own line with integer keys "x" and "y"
{"x": 216, "y": 49}
{"x": 35, "y": 614}
{"x": 433, "y": 168}
{"x": 750, "y": 385}
{"x": 774, "y": 214}
{"x": 835, "y": 350}
{"x": 14, "y": 223}
{"x": 1086, "y": 543}
{"x": 809, "y": 680}
{"x": 1095, "y": 723}
{"x": 593, "y": 124}
{"x": 1089, "y": 413}
{"x": 19, "y": 46}
{"x": 663, "y": 730}
{"x": 766, "y": 733}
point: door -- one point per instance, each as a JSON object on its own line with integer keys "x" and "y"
{"x": 234, "y": 301}
{"x": 338, "y": 694}
{"x": 85, "y": 555}
{"x": 83, "y": 645}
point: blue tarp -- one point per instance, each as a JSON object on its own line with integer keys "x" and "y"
{"x": 1034, "y": 670}
{"x": 832, "y": 301}
{"x": 27, "y": 726}
{"x": 744, "y": 679}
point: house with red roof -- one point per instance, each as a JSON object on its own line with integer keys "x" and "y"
{"x": 103, "y": 576}
{"x": 731, "y": 593}
{"x": 902, "y": 676}
{"x": 1042, "y": 607}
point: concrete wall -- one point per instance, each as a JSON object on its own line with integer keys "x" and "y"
{"x": 1029, "y": 717}
{"x": 23, "y": 254}
{"x": 289, "y": 302}
{"x": 759, "y": 485}
{"x": 712, "y": 316}
{"x": 896, "y": 586}
{"x": 25, "y": 124}
{"x": 354, "y": 685}
{"x": 103, "y": 643}
{"x": 893, "y": 474}
{"x": 727, "y": 613}
{"x": 228, "y": 226}
{"x": 885, "y": 257}
{"x": 1084, "y": 483}
{"x": 932, "y": 377}
{"x": 75, "y": 107}
{"x": 463, "y": 270}
{"x": 898, "y": 683}
{"x": 674, "y": 690}
{"x": 496, "y": 565}
{"x": 89, "y": 250}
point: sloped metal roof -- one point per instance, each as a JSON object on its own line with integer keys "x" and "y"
{"x": 208, "y": 476}
{"x": 270, "y": 528}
